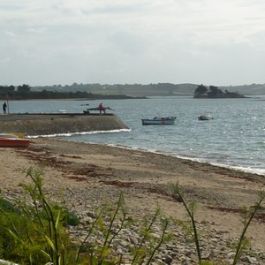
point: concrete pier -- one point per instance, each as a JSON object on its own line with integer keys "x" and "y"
{"x": 49, "y": 123}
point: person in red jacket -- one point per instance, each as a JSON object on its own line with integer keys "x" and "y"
{"x": 101, "y": 108}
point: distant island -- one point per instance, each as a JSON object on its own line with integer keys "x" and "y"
{"x": 214, "y": 92}
{"x": 25, "y": 92}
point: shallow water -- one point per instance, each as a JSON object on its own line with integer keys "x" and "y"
{"x": 235, "y": 137}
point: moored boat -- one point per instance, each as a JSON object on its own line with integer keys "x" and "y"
{"x": 205, "y": 117}
{"x": 10, "y": 140}
{"x": 159, "y": 121}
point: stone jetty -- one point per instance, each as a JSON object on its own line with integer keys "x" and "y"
{"x": 32, "y": 124}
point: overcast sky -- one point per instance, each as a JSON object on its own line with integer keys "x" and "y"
{"x": 132, "y": 41}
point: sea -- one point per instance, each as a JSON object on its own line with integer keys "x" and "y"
{"x": 234, "y": 138}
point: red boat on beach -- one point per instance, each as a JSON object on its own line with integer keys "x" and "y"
{"x": 10, "y": 140}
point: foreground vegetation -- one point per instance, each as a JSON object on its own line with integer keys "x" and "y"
{"x": 35, "y": 231}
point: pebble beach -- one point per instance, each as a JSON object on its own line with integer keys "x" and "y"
{"x": 86, "y": 176}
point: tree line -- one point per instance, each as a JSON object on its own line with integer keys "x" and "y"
{"x": 25, "y": 92}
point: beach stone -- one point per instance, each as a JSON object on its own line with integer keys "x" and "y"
{"x": 119, "y": 251}
{"x": 167, "y": 259}
{"x": 157, "y": 261}
{"x": 155, "y": 235}
{"x": 124, "y": 244}
{"x": 185, "y": 261}
{"x": 88, "y": 220}
{"x": 230, "y": 255}
{"x": 188, "y": 252}
{"x": 250, "y": 260}
{"x": 215, "y": 240}
{"x": 133, "y": 240}
{"x": 90, "y": 214}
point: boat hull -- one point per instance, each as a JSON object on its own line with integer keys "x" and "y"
{"x": 162, "y": 121}
{"x": 14, "y": 142}
{"x": 205, "y": 118}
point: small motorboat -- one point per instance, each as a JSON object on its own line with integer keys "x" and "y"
{"x": 205, "y": 117}
{"x": 12, "y": 140}
{"x": 159, "y": 121}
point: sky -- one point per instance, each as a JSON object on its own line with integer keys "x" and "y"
{"x": 211, "y": 42}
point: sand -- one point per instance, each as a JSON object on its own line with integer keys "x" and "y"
{"x": 89, "y": 174}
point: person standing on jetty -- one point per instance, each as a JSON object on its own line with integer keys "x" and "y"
{"x": 101, "y": 108}
{"x": 4, "y": 107}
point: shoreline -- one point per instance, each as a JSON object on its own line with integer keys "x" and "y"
{"x": 214, "y": 166}
{"x": 240, "y": 169}
{"x": 89, "y": 175}
{"x": 193, "y": 159}
{"x": 75, "y": 133}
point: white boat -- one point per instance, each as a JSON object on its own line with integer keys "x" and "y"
{"x": 159, "y": 121}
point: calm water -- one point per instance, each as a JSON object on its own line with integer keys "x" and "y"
{"x": 235, "y": 137}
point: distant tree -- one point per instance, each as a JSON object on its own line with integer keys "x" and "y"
{"x": 23, "y": 89}
{"x": 200, "y": 91}
{"x": 11, "y": 88}
{"x": 215, "y": 92}
{"x": 6, "y": 91}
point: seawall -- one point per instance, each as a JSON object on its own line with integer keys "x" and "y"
{"x": 44, "y": 124}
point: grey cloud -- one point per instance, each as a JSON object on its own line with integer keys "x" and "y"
{"x": 64, "y": 41}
